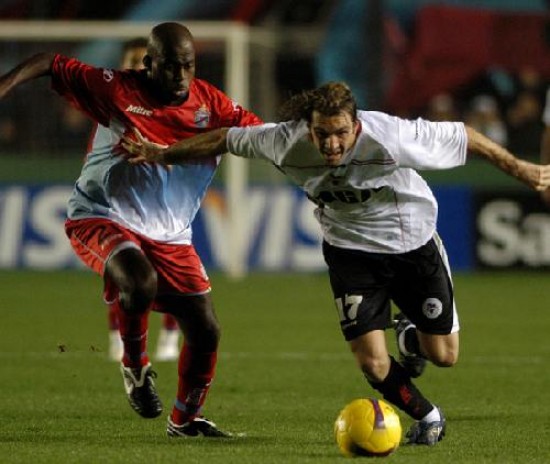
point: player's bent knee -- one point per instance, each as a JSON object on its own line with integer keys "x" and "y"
{"x": 205, "y": 337}
{"x": 441, "y": 350}
{"x": 447, "y": 358}
{"x": 137, "y": 297}
{"x": 375, "y": 369}
{"x": 211, "y": 335}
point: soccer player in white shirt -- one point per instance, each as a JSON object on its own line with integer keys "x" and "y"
{"x": 545, "y": 142}
{"x": 378, "y": 218}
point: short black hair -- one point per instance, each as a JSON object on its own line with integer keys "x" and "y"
{"x": 165, "y": 36}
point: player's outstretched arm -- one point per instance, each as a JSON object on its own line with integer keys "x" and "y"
{"x": 534, "y": 175}
{"x": 206, "y": 145}
{"x": 545, "y": 158}
{"x": 36, "y": 66}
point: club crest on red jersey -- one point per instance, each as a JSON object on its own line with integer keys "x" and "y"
{"x": 202, "y": 116}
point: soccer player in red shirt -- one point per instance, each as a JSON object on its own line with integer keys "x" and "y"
{"x": 132, "y": 224}
{"x": 168, "y": 349}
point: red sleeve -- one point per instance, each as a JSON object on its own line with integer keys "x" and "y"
{"x": 89, "y": 89}
{"x": 242, "y": 117}
{"x": 230, "y": 113}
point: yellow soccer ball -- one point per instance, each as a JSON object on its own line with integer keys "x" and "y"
{"x": 367, "y": 427}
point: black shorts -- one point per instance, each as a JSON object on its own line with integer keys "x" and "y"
{"x": 418, "y": 282}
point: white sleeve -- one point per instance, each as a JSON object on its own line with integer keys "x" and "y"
{"x": 253, "y": 141}
{"x": 423, "y": 144}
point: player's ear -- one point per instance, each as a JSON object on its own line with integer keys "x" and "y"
{"x": 147, "y": 62}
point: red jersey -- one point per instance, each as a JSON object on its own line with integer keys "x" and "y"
{"x": 153, "y": 201}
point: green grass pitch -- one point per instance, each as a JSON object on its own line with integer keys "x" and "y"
{"x": 284, "y": 373}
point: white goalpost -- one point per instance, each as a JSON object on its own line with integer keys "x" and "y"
{"x": 236, "y": 39}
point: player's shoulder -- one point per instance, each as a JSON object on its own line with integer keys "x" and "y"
{"x": 376, "y": 119}
{"x": 203, "y": 93}
{"x": 79, "y": 73}
{"x": 117, "y": 82}
{"x": 109, "y": 75}
{"x": 378, "y": 125}
{"x": 69, "y": 64}
{"x": 129, "y": 77}
{"x": 204, "y": 88}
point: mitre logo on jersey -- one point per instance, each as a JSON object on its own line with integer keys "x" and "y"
{"x": 108, "y": 75}
{"x": 202, "y": 116}
{"x": 139, "y": 110}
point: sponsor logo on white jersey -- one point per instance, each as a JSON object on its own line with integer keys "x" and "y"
{"x": 139, "y": 110}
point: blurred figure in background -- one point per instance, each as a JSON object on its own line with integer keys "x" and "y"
{"x": 168, "y": 349}
{"x": 524, "y": 123}
{"x": 442, "y": 107}
{"x": 484, "y": 116}
{"x": 8, "y": 133}
{"x": 133, "y": 52}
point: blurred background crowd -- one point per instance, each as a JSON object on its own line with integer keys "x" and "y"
{"x": 486, "y": 62}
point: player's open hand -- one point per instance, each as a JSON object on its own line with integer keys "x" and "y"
{"x": 140, "y": 150}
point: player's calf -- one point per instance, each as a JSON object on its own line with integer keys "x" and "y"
{"x": 408, "y": 346}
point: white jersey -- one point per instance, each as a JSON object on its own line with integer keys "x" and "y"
{"x": 374, "y": 201}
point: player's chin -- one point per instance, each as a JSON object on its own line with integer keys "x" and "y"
{"x": 333, "y": 160}
{"x": 177, "y": 97}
